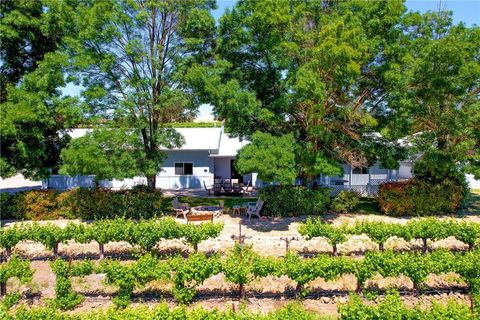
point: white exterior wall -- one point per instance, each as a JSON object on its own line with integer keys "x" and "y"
{"x": 472, "y": 182}
{"x": 202, "y": 170}
{"x": 406, "y": 170}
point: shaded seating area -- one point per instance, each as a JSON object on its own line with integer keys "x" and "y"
{"x": 230, "y": 187}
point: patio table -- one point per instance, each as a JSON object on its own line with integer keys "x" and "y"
{"x": 216, "y": 210}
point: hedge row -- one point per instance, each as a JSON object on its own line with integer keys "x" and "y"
{"x": 419, "y": 198}
{"x": 139, "y": 202}
{"x": 144, "y": 233}
{"x": 293, "y": 201}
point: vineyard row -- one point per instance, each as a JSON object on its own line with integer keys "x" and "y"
{"x": 242, "y": 265}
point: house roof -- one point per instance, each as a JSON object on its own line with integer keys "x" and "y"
{"x": 212, "y": 139}
{"x": 199, "y": 138}
{"x": 229, "y": 146}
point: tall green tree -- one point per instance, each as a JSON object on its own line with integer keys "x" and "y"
{"x": 131, "y": 57}
{"x": 34, "y": 114}
{"x": 433, "y": 91}
{"x": 310, "y": 69}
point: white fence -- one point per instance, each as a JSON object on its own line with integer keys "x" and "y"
{"x": 60, "y": 182}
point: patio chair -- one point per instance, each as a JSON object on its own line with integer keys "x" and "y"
{"x": 217, "y": 186}
{"x": 209, "y": 190}
{"x": 227, "y": 185}
{"x": 180, "y": 209}
{"x": 247, "y": 189}
{"x": 254, "y": 210}
{"x": 237, "y": 188}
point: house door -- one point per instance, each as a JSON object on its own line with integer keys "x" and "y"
{"x": 235, "y": 174}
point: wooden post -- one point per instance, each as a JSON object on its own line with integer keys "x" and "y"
{"x": 287, "y": 242}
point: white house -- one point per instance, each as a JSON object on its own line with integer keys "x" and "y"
{"x": 207, "y": 153}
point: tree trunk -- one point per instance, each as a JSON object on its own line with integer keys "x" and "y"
{"x": 8, "y": 253}
{"x": 298, "y": 291}
{"x": 3, "y": 289}
{"x": 241, "y": 289}
{"x": 425, "y": 246}
{"x": 358, "y": 290}
{"x": 55, "y": 250}
{"x": 101, "y": 249}
{"x": 381, "y": 246}
{"x": 195, "y": 247}
{"x": 152, "y": 181}
{"x": 335, "y": 250}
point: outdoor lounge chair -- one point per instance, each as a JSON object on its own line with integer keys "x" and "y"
{"x": 227, "y": 186}
{"x": 254, "y": 209}
{"x": 247, "y": 189}
{"x": 209, "y": 190}
{"x": 180, "y": 208}
{"x": 217, "y": 186}
{"x": 237, "y": 188}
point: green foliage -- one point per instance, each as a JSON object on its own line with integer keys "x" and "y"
{"x": 318, "y": 228}
{"x": 293, "y": 201}
{"x": 10, "y": 300}
{"x": 293, "y": 71}
{"x": 50, "y": 235}
{"x": 431, "y": 80}
{"x": 140, "y": 84}
{"x": 191, "y": 272}
{"x": 128, "y": 276}
{"x": 107, "y": 153}
{"x": 303, "y": 271}
{"x": 8, "y": 208}
{"x": 379, "y": 232}
{"x": 392, "y": 307}
{"x": 272, "y": 157}
{"x": 65, "y": 297}
{"x": 33, "y": 111}
{"x": 147, "y": 233}
{"x": 419, "y": 198}
{"x": 292, "y": 311}
{"x": 136, "y": 203}
{"x": 238, "y": 267}
{"x": 9, "y": 237}
{"x": 36, "y": 205}
{"x": 345, "y": 201}
{"x": 194, "y": 234}
{"x": 14, "y": 267}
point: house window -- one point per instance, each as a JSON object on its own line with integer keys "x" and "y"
{"x": 360, "y": 170}
{"x": 183, "y": 168}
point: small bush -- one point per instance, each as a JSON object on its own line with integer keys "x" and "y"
{"x": 419, "y": 198}
{"x": 36, "y": 205}
{"x": 7, "y": 206}
{"x": 345, "y": 201}
{"x": 294, "y": 201}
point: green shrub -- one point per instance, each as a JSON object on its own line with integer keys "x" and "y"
{"x": 419, "y": 198}
{"x": 7, "y": 206}
{"x": 294, "y": 201}
{"x": 36, "y": 205}
{"x": 345, "y": 201}
{"x": 137, "y": 203}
